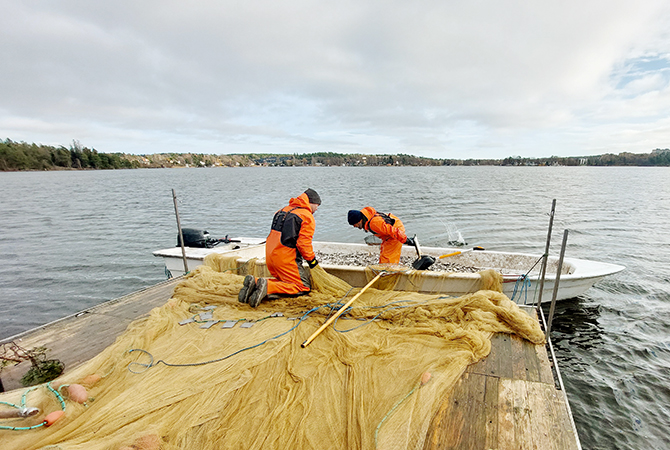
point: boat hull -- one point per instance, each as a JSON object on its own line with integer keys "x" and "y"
{"x": 521, "y": 272}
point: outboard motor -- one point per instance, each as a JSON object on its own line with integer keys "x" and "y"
{"x": 201, "y": 239}
{"x": 196, "y": 238}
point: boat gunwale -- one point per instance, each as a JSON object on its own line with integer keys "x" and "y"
{"x": 577, "y": 268}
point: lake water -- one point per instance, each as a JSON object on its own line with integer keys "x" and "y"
{"x": 71, "y": 240}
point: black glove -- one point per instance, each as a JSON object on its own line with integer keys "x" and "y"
{"x": 312, "y": 264}
{"x": 409, "y": 241}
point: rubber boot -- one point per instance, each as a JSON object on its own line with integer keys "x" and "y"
{"x": 260, "y": 293}
{"x": 247, "y": 289}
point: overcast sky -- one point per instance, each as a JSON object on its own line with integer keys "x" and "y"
{"x": 436, "y": 78}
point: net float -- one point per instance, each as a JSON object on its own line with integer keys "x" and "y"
{"x": 77, "y": 393}
{"x": 52, "y": 417}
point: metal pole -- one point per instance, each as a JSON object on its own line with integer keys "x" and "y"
{"x": 543, "y": 270}
{"x": 181, "y": 236}
{"x": 558, "y": 279}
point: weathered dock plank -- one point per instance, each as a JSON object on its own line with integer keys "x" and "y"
{"x": 79, "y": 337}
{"x": 508, "y": 400}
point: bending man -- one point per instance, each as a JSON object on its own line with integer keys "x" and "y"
{"x": 289, "y": 242}
{"x": 385, "y": 226}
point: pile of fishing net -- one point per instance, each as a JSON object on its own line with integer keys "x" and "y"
{"x": 207, "y": 372}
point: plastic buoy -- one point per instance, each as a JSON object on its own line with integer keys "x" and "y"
{"x": 52, "y": 417}
{"x": 90, "y": 380}
{"x": 77, "y": 393}
{"x": 425, "y": 378}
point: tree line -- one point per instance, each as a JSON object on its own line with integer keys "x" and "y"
{"x": 15, "y": 156}
{"x": 658, "y": 157}
{"x": 22, "y": 156}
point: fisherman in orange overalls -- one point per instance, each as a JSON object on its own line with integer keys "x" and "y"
{"x": 289, "y": 242}
{"x": 385, "y": 226}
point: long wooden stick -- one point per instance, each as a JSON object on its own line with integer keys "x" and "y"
{"x": 339, "y": 312}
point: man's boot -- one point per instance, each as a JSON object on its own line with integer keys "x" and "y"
{"x": 260, "y": 293}
{"x": 247, "y": 289}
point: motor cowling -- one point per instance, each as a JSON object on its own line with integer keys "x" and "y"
{"x": 196, "y": 238}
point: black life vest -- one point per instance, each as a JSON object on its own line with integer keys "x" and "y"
{"x": 388, "y": 219}
{"x": 288, "y": 224}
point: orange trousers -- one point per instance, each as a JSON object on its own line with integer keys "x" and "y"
{"x": 291, "y": 277}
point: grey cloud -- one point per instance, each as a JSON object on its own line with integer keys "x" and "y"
{"x": 435, "y": 78}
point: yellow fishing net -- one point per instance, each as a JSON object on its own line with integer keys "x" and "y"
{"x": 358, "y": 385}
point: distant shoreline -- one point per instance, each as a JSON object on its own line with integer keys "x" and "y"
{"x": 20, "y": 156}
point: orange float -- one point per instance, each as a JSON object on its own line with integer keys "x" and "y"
{"x": 148, "y": 442}
{"x": 90, "y": 380}
{"x": 425, "y": 378}
{"x": 77, "y": 393}
{"x": 52, "y": 417}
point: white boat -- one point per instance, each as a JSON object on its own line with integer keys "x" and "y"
{"x": 520, "y": 271}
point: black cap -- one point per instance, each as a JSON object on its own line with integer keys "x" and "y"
{"x": 354, "y": 216}
{"x": 313, "y": 196}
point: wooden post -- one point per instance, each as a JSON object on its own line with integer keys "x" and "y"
{"x": 181, "y": 236}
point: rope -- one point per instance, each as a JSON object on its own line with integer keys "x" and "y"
{"x": 526, "y": 281}
{"x": 388, "y": 414}
{"x": 368, "y": 321}
{"x": 333, "y": 307}
{"x": 197, "y": 319}
{"x": 525, "y": 285}
{"x": 23, "y": 407}
{"x": 202, "y": 363}
{"x": 131, "y": 365}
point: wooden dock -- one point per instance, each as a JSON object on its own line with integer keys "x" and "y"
{"x": 79, "y": 337}
{"x": 506, "y": 401}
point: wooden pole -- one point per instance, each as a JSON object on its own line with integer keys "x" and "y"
{"x": 339, "y": 312}
{"x": 181, "y": 236}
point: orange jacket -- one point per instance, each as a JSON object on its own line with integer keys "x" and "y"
{"x": 379, "y": 225}
{"x": 293, "y": 227}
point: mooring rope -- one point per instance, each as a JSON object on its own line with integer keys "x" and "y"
{"x": 526, "y": 281}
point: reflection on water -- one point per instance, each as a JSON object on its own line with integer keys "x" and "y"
{"x": 576, "y": 324}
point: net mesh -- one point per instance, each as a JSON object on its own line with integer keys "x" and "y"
{"x": 356, "y": 386}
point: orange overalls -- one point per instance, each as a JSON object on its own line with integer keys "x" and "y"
{"x": 289, "y": 241}
{"x": 390, "y": 230}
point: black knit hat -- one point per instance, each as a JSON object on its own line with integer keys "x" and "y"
{"x": 313, "y": 196}
{"x": 354, "y": 216}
